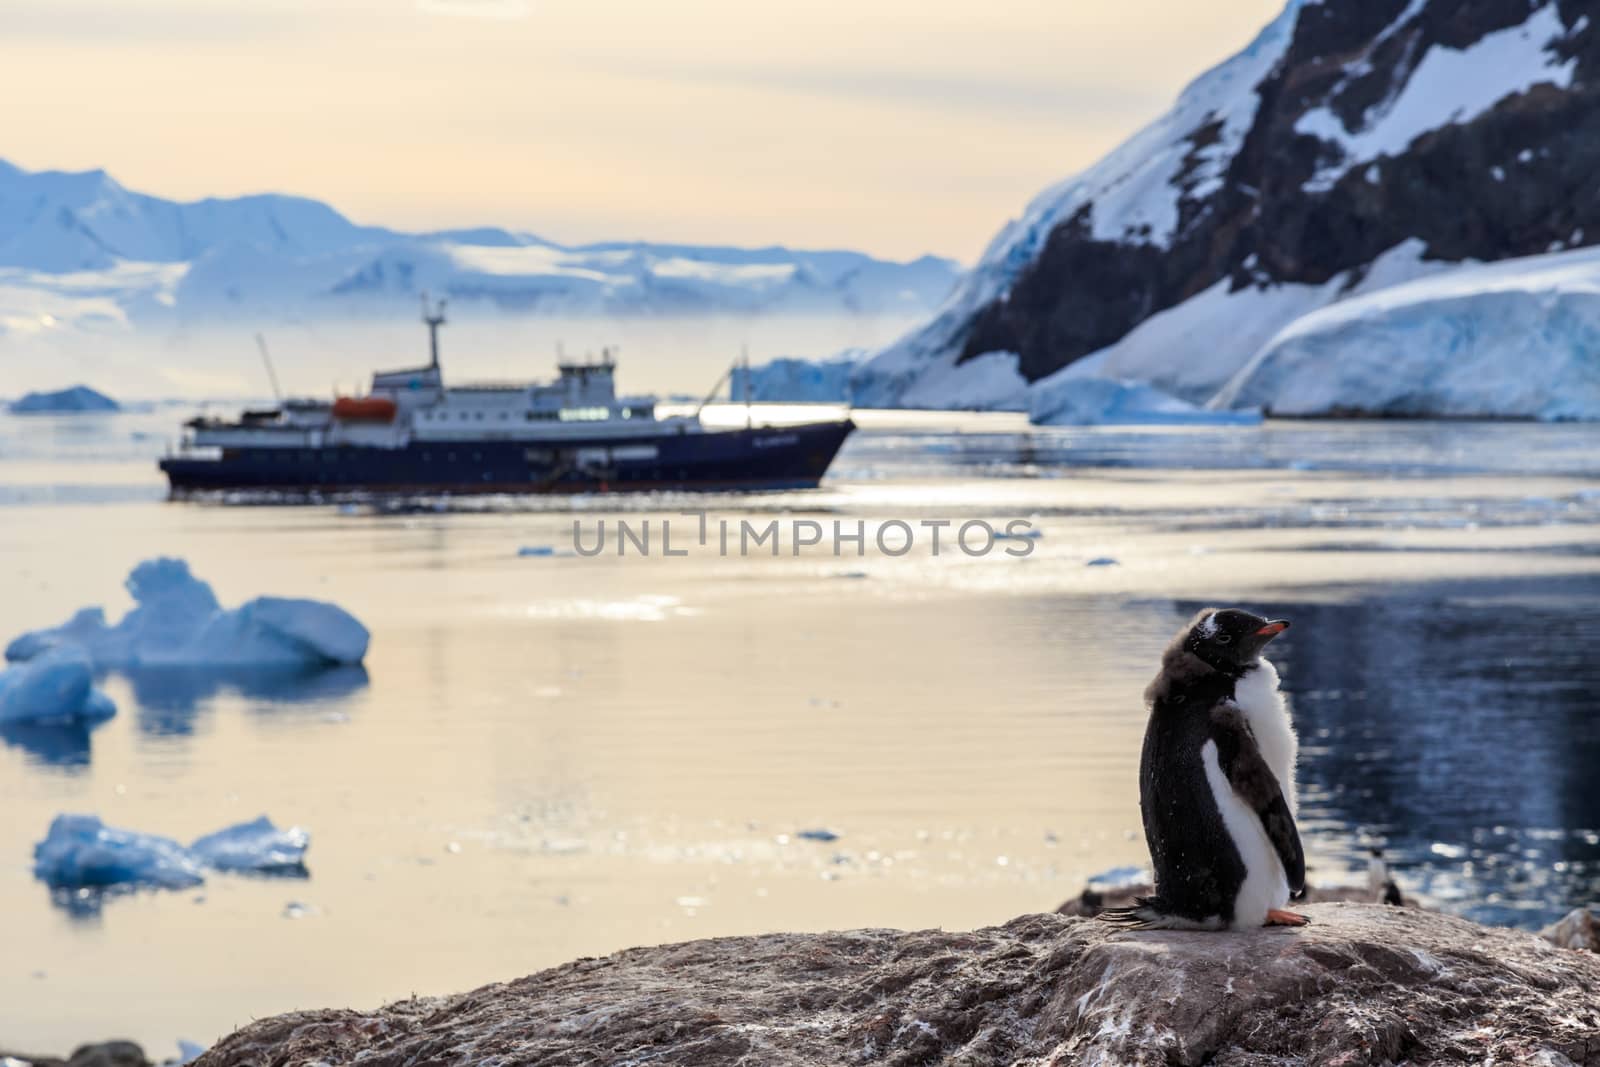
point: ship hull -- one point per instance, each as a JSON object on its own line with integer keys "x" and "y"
{"x": 762, "y": 458}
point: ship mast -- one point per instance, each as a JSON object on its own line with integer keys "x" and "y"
{"x": 434, "y": 318}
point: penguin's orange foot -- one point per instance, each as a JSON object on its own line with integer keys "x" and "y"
{"x": 1279, "y": 917}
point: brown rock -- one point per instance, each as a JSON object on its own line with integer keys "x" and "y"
{"x": 1579, "y": 929}
{"x": 108, "y": 1054}
{"x": 1365, "y": 984}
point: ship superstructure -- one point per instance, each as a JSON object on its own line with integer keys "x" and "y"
{"x": 413, "y": 432}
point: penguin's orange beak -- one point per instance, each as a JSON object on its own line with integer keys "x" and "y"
{"x": 1273, "y": 628}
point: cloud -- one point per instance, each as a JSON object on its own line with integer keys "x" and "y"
{"x": 477, "y": 9}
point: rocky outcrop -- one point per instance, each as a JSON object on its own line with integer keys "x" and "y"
{"x": 1579, "y": 928}
{"x": 1432, "y": 132}
{"x": 99, "y": 1054}
{"x": 1364, "y": 984}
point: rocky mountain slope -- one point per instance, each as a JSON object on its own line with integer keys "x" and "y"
{"x": 79, "y": 247}
{"x": 1364, "y": 984}
{"x": 1354, "y": 144}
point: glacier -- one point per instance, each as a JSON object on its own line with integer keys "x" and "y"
{"x": 82, "y": 852}
{"x": 1517, "y": 338}
{"x": 1112, "y": 402}
{"x": 56, "y": 686}
{"x": 177, "y": 621}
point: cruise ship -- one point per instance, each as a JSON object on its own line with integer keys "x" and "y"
{"x": 412, "y": 433}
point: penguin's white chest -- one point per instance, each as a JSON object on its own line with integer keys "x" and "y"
{"x": 1257, "y": 696}
{"x": 1265, "y": 885}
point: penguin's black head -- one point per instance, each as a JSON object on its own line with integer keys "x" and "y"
{"x": 1230, "y": 639}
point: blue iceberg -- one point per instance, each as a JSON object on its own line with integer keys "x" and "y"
{"x": 178, "y": 622}
{"x": 76, "y": 400}
{"x": 57, "y": 686}
{"x": 257, "y": 847}
{"x": 81, "y": 852}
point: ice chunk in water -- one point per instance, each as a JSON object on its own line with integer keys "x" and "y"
{"x": 257, "y": 846}
{"x": 81, "y": 851}
{"x": 177, "y": 621}
{"x": 54, "y": 686}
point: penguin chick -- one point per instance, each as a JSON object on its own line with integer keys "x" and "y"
{"x": 1215, "y": 799}
{"x": 1377, "y": 873}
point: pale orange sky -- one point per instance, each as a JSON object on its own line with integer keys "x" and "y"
{"x": 894, "y": 126}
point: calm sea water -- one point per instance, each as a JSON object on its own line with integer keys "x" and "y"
{"x": 553, "y": 756}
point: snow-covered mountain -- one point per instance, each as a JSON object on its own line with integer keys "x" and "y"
{"x": 80, "y": 248}
{"x": 1353, "y": 145}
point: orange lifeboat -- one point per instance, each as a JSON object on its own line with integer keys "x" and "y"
{"x": 364, "y": 409}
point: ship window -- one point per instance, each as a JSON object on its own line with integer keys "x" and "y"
{"x": 627, "y": 413}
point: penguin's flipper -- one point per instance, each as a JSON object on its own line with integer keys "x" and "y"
{"x": 1247, "y": 772}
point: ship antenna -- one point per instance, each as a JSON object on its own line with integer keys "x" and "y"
{"x": 744, "y": 358}
{"x": 272, "y": 375}
{"x": 434, "y": 319}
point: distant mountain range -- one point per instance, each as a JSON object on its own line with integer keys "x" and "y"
{"x": 1352, "y": 147}
{"x": 79, "y": 249}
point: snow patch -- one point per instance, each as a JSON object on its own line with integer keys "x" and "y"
{"x": 990, "y": 382}
{"x": 1114, "y": 402}
{"x": 1448, "y": 86}
{"x": 1193, "y": 349}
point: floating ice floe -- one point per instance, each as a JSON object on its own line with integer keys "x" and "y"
{"x": 1119, "y": 878}
{"x": 818, "y": 834}
{"x": 1065, "y": 400}
{"x": 56, "y": 686}
{"x": 256, "y": 846}
{"x": 177, "y": 621}
{"x": 80, "y": 851}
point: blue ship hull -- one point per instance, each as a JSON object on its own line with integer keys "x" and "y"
{"x": 762, "y": 458}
